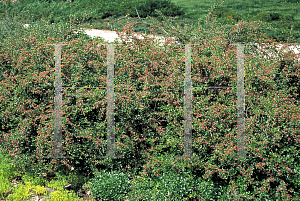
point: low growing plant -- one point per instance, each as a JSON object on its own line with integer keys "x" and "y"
{"x": 64, "y": 195}
{"x": 7, "y": 171}
{"x": 57, "y": 184}
{"x": 5, "y": 186}
{"x": 7, "y": 167}
{"x": 20, "y": 193}
{"x": 169, "y": 186}
{"x": 33, "y": 180}
{"x": 110, "y": 185}
{"x": 40, "y": 190}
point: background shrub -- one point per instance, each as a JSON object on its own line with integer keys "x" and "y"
{"x": 147, "y": 8}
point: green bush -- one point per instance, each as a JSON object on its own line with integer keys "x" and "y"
{"x": 284, "y": 26}
{"x": 140, "y": 136}
{"x": 282, "y": 35}
{"x": 148, "y": 9}
{"x": 267, "y": 16}
{"x": 205, "y": 189}
{"x": 169, "y": 186}
{"x": 227, "y": 14}
{"x": 110, "y": 185}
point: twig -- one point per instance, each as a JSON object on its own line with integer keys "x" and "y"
{"x": 137, "y": 13}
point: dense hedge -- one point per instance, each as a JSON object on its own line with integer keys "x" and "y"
{"x": 149, "y": 119}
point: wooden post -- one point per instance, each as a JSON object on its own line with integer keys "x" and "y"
{"x": 240, "y": 102}
{"x": 188, "y": 103}
{"x": 110, "y": 102}
{"x": 58, "y": 104}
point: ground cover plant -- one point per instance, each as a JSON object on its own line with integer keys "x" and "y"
{"x": 14, "y": 188}
{"x": 149, "y": 119}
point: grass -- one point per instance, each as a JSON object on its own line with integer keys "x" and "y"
{"x": 37, "y": 12}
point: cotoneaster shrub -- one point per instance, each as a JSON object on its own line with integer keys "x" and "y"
{"x": 152, "y": 127}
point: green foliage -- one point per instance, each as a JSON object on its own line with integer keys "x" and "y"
{"x": 267, "y": 16}
{"x": 20, "y": 193}
{"x": 7, "y": 166}
{"x": 153, "y": 126}
{"x": 80, "y": 151}
{"x": 147, "y": 8}
{"x": 168, "y": 186}
{"x": 5, "y": 186}
{"x": 283, "y": 35}
{"x": 110, "y": 185}
{"x": 228, "y": 15}
{"x": 57, "y": 184}
{"x": 64, "y": 195}
{"x": 34, "y": 178}
{"x": 40, "y": 190}
{"x": 8, "y": 171}
{"x": 205, "y": 189}
{"x": 285, "y": 27}
{"x": 49, "y": 1}
{"x": 285, "y": 78}
{"x": 75, "y": 179}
